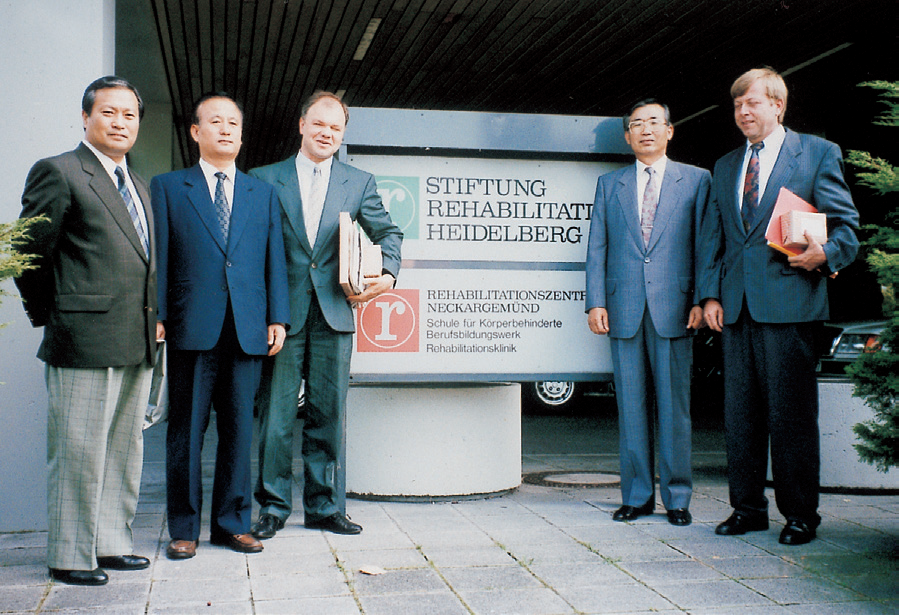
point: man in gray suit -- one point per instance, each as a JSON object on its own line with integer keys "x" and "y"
{"x": 313, "y": 188}
{"x": 640, "y": 291}
{"x": 94, "y": 292}
{"x": 769, "y": 307}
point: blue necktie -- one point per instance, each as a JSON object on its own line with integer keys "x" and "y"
{"x": 221, "y": 205}
{"x": 132, "y": 210}
{"x": 751, "y": 187}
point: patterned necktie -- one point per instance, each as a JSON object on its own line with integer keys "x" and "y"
{"x": 132, "y": 210}
{"x": 650, "y": 203}
{"x": 221, "y": 205}
{"x": 751, "y": 187}
{"x": 312, "y": 210}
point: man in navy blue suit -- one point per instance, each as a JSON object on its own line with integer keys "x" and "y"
{"x": 224, "y": 304}
{"x": 641, "y": 292}
{"x": 769, "y": 306}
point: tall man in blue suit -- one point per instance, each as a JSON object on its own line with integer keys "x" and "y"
{"x": 769, "y": 306}
{"x": 640, "y": 291}
{"x": 313, "y": 188}
{"x": 223, "y": 302}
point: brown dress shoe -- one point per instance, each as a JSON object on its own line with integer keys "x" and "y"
{"x": 242, "y": 543}
{"x": 181, "y": 549}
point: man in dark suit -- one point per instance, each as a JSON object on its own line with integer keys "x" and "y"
{"x": 313, "y": 188}
{"x": 769, "y": 306}
{"x": 223, "y": 301}
{"x": 94, "y": 292}
{"x": 640, "y": 291}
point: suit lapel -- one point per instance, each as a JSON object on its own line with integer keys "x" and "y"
{"x": 334, "y": 200}
{"x": 669, "y": 197}
{"x": 145, "y": 203}
{"x": 108, "y": 193}
{"x": 198, "y": 195}
{"x": 241, "y": 208}
{"x": 627, "y": 201}
{"x": 291, "y": 201}
{"x": 730, "y": 171}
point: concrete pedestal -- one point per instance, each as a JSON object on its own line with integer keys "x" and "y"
{"x": 432, "y": 441}
{"x": 840, "y": 465}
{"x": 841, "y": 468}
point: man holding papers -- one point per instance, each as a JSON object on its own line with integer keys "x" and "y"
{"x": 769, "y": 306}
{"x": 313, "y": 189}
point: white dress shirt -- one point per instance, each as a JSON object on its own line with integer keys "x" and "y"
{"x": 767, "y": 158}
{"x": 209, "y": 172}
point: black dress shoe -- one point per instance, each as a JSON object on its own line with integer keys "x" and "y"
{"x": 679, "y": 516}
{"x": 80, "y": 577}
{"x": 123, "y": 562}
{"x": 629, "y": 513}
{"x": 796, "y": 532}
{"x": 336, "y": 523}
{"x": 740, "y": 523}
{"x": 267, "y": 526}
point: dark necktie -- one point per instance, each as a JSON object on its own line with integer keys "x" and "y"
{"x": 650, "y": 203}
{"x": 221, "y": 205}
{"x": 132, "y": 210}
{"x": 751, "y": 187}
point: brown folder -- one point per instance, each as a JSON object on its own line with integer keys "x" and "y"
{"x": 358, "y": 259}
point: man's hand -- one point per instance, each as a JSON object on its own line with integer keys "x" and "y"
{"x": 713, "y": 314}
{"x": 812, "y": 258}
{"x": 377, "y": 286}
{"x": 598, "y": 320}
{"x": 160, "y": 331}
{"x": 695, "y": 320}
{"x": 276, "y": 336}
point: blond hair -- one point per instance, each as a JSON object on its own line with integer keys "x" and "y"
{"x": 775, "y": 87}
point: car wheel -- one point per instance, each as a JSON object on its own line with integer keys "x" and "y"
{"x": 551, "y": 395}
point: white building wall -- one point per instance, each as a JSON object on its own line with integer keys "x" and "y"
{"x": 49, "y": 52}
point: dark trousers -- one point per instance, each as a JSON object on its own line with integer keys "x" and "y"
{"x": 321, "y": 356}
{"x": 225, "y": 378}
{"x": 770, "y": 392}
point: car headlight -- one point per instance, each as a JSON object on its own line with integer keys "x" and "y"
{"x": 851, "y": 345}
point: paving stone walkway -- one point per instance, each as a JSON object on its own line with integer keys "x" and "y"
{"x": 541, "y": 550}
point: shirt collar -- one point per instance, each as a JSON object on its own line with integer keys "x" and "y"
{"x": 209, "y": 171}
{"x": 108, "y": 163}
{"x": 658, "y": 166}
{"x": 773, "y": 141}
{"x": 307, "y": 166}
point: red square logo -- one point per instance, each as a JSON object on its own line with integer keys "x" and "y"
{"x": 389, "y": 323}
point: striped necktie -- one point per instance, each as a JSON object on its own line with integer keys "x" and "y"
{"x": 132, "y": 210}
{"x": 312, "y": 212}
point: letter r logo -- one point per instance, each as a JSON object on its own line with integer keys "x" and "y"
{"x": 389, "y": 323}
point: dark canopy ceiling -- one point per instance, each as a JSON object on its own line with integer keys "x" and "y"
{"x": 581, "y": 57}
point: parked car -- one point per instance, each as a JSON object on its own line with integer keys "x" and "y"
{"x": 560, "y": 396}
{"x": 849, "y": 340}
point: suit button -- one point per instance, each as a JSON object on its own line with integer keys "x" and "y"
{"x": 309, "y": 291}
{"x": 314, "y": 265}
{"x": 646, "y": 260}
{"x": 224, "y": 287}
{"x": 227, "y": 263}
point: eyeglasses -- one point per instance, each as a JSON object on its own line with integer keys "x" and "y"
{"x": 653, "y": 125}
